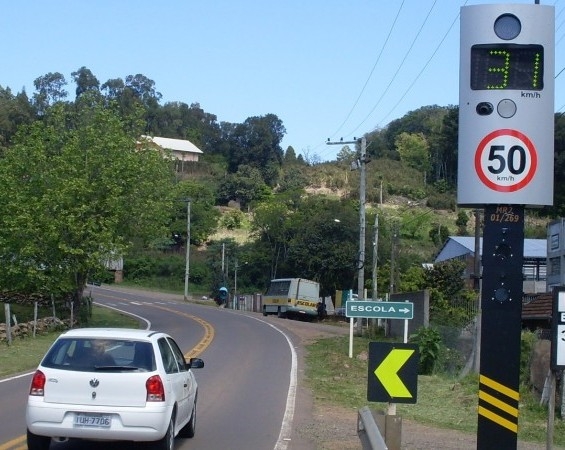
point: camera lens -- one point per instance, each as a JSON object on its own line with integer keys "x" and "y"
{"x": 484, "y": 109}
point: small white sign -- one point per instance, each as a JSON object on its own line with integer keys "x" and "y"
{"x": 560, "y": 357}
{"x": 558, "y": 332}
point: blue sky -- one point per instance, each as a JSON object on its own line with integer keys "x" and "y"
{"x": 326, "y": 68}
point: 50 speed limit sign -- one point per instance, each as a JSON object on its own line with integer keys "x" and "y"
{"x": 506, "y": 160}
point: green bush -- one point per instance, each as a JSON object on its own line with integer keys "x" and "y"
{"x": 527, "y": 342}
{"x": 429, "y": 344}
{"x": 167, "y": 271}
{"x": 232, "y": 220}
{"x": 139, "y": 268}
{"x": 449, "y": 362}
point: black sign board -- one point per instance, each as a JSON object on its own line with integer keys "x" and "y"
{"x": 393, "y": 372}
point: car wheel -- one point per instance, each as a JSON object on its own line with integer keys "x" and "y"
{"x": 190, "y": 428}
{"x": 167, "y": 442}
{"x": 35, "y": 442}
{"x": 265, "y": 311}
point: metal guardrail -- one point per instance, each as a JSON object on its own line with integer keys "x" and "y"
{"x": 368, "y": 431}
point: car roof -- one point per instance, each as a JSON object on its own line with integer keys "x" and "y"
{"x": 120, "y": 333}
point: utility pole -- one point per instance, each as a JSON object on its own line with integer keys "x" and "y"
{"x": 375, "y": 264}
{"x": 361, "y": 164}
{"x": 375, "y": 257}
{"x": 187, "y": 268}
{"x": 362, "y": 182}
{"x": 392, "y": 257}
{"x": 235, "y": 286}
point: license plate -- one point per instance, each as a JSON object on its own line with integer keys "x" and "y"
{"x": 92, "y": 420}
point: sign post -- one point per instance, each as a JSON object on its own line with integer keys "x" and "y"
{"x": 505, "y": 162}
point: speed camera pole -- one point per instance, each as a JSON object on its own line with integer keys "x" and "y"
{"x": 505, "y": 163}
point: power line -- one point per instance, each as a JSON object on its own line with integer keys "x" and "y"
{"x": 398, "y": 68}
{"x": 372, "y": 70}
{"x": 423, "y": 68}
{"x": 379, "y": 60}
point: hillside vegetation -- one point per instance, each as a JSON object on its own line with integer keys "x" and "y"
{"x": 80, "y": 188}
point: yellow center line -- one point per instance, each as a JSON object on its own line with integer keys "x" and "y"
{"x": 208, "y": 332}
{"x": 208, "y": 329}
{"x": 18, "y": 443}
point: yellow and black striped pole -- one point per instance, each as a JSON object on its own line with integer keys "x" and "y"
{"x": 501, "y": 304}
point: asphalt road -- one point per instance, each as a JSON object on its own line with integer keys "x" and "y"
{"x": 246, "y": 389}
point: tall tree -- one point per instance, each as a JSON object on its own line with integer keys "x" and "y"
{"x": 181, "y": 121}
{"x": 203, "y": 216}
{"x": 141, "y": 89}
{"x": 144, "y": 89}
{"x": 244, "y": 186}
{"x": 85, "y": 81}
{"x": 445, "y": 161}
{"x": 256, "y": 143}
{"x": 290, "y": 156}
{"x": 50, "y": 89}
{"x": 324, "y": 246}
{"x": 413, "y": 150}
{"x": 76, "y": 191}
{"x": 271, "y": 227}
{"x": 113, "y": 88}
{"x": 14, "y": 111}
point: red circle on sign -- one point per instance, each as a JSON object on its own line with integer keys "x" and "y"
{"x": 532, "y": 152}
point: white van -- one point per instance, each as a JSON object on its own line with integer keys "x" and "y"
{"x": 292, "y": 297}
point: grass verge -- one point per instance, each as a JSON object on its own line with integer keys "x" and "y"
{"x": 24, "y": 354}
{"x": 443, "y": 402}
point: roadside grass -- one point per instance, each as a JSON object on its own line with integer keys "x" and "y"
{"x": 442, "y": 402}
{"x": 24, "y": 354}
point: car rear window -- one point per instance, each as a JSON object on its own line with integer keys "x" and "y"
{"x": 100, "y": 354}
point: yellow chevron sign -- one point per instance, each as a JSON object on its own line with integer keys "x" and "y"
{"x": 393, "y": 372}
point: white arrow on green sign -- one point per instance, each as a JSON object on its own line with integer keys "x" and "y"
{"x": 379, "y": 310}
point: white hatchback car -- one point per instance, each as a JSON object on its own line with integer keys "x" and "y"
{"x": 112, "y": 384}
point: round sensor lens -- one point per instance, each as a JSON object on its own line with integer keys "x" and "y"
{"x": 507, "y": 27}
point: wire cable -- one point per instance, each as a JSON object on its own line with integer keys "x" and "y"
{"x": 398, "y": 69}
{"x": 422, "y": 70}
{"x": 391, "y": 29}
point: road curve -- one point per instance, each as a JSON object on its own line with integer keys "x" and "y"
{"x": 246, "y": 390}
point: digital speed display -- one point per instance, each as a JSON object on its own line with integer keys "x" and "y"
{"x": 506, "y": 66}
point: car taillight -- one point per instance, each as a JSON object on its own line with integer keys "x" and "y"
{"x": 155, "y": 389}
{"x": 37, "y": 384}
